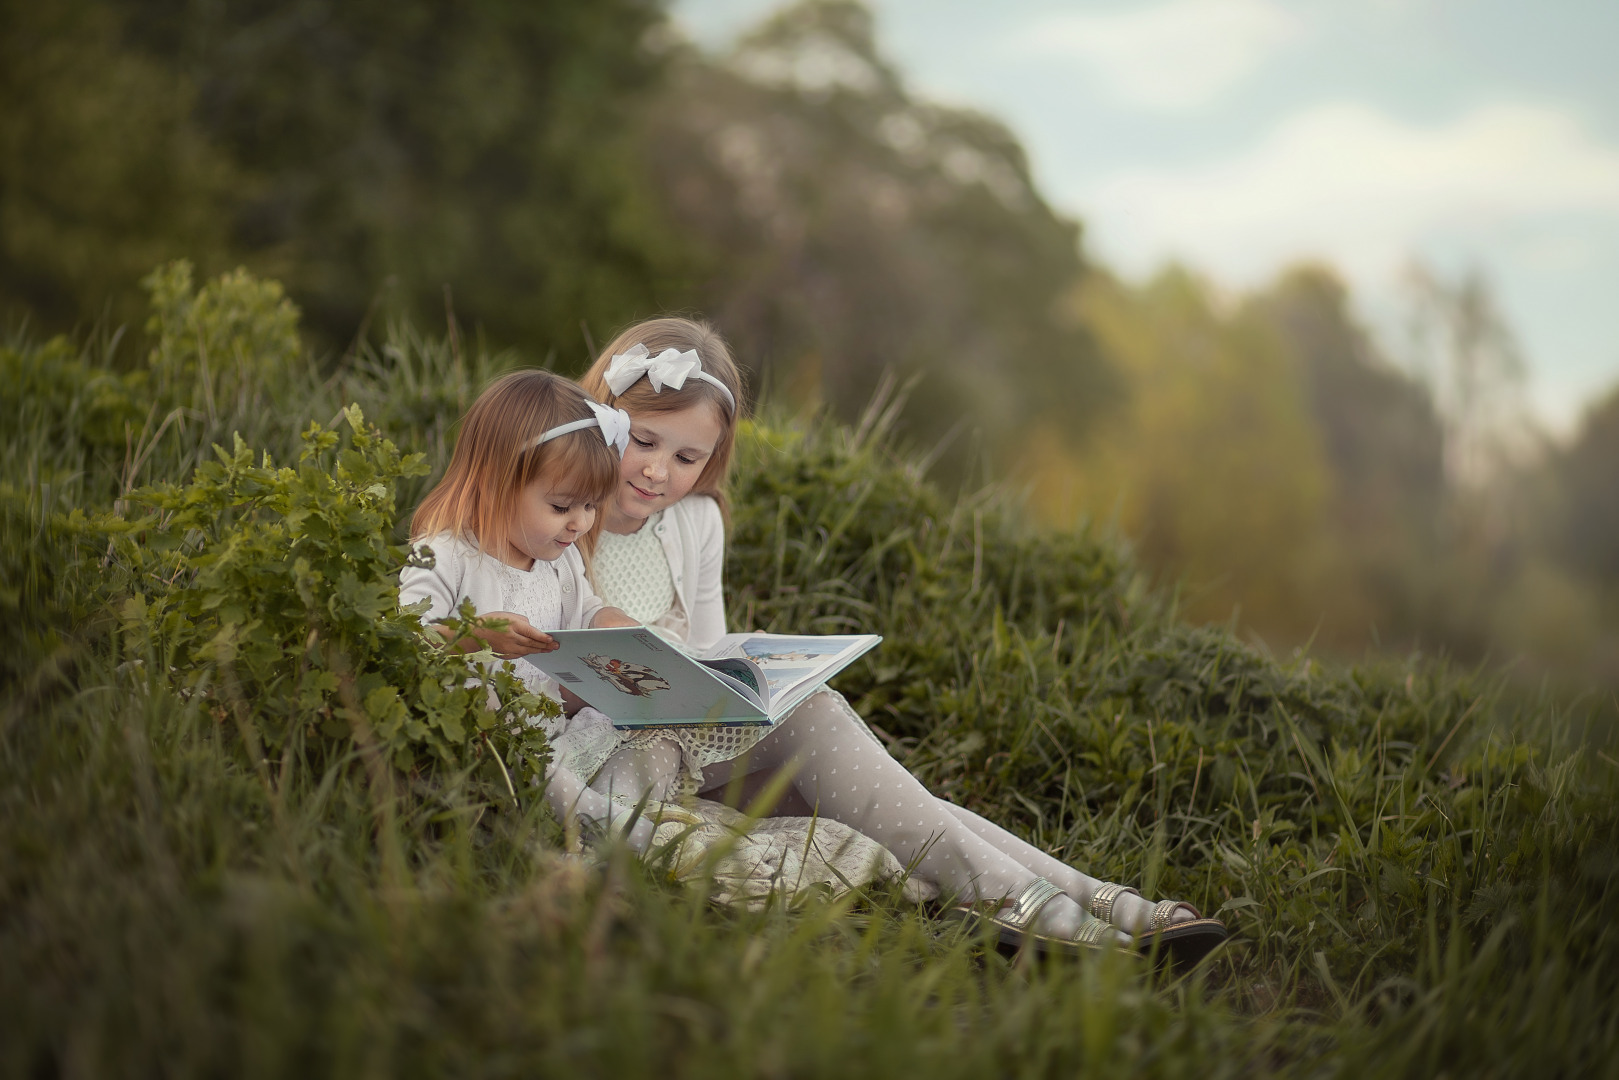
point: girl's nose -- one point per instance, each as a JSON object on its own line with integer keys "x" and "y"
{"x": 654, "y": 470}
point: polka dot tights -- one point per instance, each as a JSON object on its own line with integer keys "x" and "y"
{"x": 840, "y": 770}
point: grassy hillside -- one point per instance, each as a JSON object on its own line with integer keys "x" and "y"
{"x": 207, "y": 866}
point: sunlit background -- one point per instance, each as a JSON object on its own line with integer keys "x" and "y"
{"x": 1243, "y": 135}
{"x": 1452, "y": 168}
{"x": 1307, "y": 303}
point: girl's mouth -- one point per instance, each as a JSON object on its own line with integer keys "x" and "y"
{"x": 643, "y": 492}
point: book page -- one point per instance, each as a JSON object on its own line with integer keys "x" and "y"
{"x": 746, "y": 676}
{"x": 795, "y": 664}
{"x": 639, "y": 680}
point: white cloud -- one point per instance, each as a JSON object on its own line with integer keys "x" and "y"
{"x": 1362, "y": 189}
{"x": 1172, "y": 56}
{"x": 1528, "y": 193}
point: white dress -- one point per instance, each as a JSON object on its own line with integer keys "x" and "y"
{"x": 632, "y": 569}
{"x": 552, "y": 595}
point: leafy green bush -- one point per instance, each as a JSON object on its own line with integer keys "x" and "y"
{"x": 236, "y": 336}
{"x": 274, "y": 593}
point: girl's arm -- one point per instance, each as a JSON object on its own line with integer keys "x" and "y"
{"x": 707, "y": 593}
{"x": 444, "y": 584}
{"x": 439, "y": 585}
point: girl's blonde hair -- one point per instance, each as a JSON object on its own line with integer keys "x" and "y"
{"x": 671, "y": 332}
{"x": 495, "y": 459}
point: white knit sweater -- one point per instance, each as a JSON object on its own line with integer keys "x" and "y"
{"x": 461, "y": 571}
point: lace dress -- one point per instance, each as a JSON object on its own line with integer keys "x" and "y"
{"x": 579, "y": 743}
{"x": 631, "y": 572}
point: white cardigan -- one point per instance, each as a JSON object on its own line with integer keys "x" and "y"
{"x": 461, "y": 571}
{"x": 692, "y": 532}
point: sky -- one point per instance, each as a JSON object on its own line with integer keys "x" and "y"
{"x": 1241, "y": 136}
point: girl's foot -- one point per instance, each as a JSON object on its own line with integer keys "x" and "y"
{"x": 1062, "y": 918}
{"x": 1041, "y": 918}
{"x": 1174, "y": 925}
{"x": 1123, "y": 907}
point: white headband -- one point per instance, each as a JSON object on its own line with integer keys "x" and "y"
{"x": 615, "y": 425}
{"x": 669, "y": 368}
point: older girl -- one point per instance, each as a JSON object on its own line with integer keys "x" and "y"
{"x": 660, "y": 557}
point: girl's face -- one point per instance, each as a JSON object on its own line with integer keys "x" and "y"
{"x": 546, "y": 524}
{"x": 666, "y": 455}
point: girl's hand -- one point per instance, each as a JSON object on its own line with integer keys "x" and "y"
{"x": 612, "y": 617}
{"x": 520, "y": 638}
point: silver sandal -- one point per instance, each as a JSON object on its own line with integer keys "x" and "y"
{"x": 1184, "y": 943}
{"x": 1012, "y": 918}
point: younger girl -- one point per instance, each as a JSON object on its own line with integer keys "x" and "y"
{"x": 660, "y": 557}
{"x": 534, "y": 458}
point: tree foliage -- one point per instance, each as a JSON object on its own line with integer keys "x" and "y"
{"x": 356, "y": 151}
{"x": 104, "y": 171}
{"x": 1212, "y": 465}
{"x": 1382, "y": 444}
{"x": 851, "y": 229}
{"x": 1590, "y": 474}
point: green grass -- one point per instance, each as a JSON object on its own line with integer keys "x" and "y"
{"x": 1418, "y": 863}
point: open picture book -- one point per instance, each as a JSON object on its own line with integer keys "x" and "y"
{"x": 639, "y": 679}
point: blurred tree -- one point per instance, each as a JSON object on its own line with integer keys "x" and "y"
{"x": 848, "y": 229}
{"x": 1462, "y": 343}
{"x": 103, "y": 174}
{"x": 1383, "y": 445}
{"x": 1214, "y": 466}
{"x": 483, "y": 146}
{"x": 1590, "y": 479}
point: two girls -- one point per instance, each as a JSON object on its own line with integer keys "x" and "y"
{"x": 509, "y": 509}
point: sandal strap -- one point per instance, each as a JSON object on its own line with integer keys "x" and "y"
{"x": 1021, "y": 912}
{"x": 1105, "y": 896}
{"x": 1092, "y": 933}
{"x": 1164, "y": 911}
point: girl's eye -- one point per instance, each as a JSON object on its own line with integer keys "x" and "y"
{"x": 561, "y": 509}
{"x": 644, "y": 444}
{"x": 684, "y": 460}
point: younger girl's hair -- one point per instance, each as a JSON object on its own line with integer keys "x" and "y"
{"x": 671, "y": 332}
{"x": 496, "y": 457}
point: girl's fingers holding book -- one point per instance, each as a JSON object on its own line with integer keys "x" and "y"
{"x": 522, "y": 632}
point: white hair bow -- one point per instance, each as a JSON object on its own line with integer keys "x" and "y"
{"x": 669, "y": 368}
{"x": 614, "y": 424}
